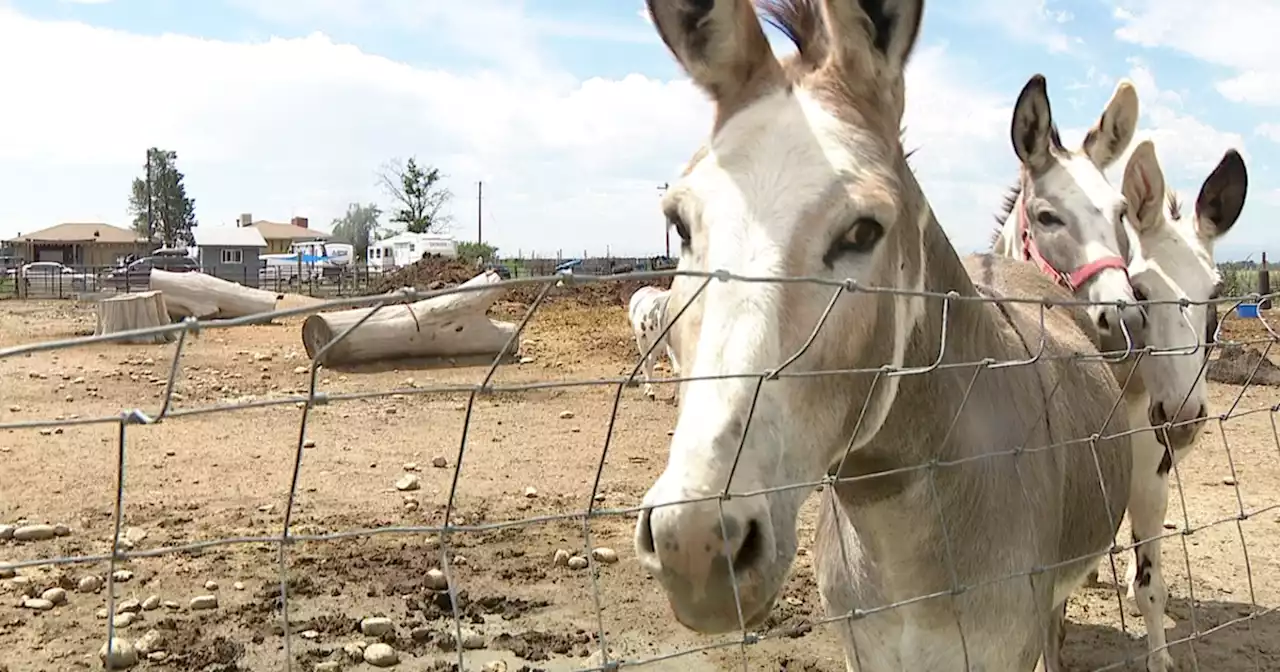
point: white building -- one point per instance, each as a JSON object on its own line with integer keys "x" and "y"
{"x": 406, "y": 248}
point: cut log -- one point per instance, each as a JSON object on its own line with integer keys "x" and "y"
{"x": 203, "y": 296}
{"x": 127, "y": 312}
{"x": 449, "y": 326}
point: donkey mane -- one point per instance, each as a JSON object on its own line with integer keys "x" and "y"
{"x": 801, "y": 22}
{"x": 1175, "y": 206}
{"x": 1009, "y": 200}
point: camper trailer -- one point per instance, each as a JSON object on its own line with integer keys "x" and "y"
{"x": 406, "y": 248}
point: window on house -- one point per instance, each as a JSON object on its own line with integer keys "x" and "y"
{"x": 233, "y": 256}
{"x": 410, "y": 247}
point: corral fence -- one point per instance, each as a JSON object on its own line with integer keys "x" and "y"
{"x": 308, "y": 279}
{"x": 171, "y": 410}
{"x": 79, "y": 281}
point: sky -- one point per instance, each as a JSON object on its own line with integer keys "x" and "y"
{"x": 570, "y": 112}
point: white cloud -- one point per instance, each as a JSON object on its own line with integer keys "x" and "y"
{"x": 290, "y": 127}
{"x": 1240, "y": 36}
{"x": 1184, "y": 142}
{"x": 1028, "y": 21}
{"x": 1269, "y": 131}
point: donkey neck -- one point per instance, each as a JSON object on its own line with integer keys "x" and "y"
{"x": 916, "y": 429}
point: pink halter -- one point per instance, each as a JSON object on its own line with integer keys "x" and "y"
{"x": 1072, "y": 280}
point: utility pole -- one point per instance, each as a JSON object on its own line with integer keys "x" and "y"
{"x": 662, "y": 189}
{"x": 151, "y": 226}
{"x": 480, "y": 213}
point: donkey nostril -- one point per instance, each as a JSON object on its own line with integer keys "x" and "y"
{"x": 645, "y": 534}
{"x": 1104, "y": 325}
{"x": 749, "y": 552}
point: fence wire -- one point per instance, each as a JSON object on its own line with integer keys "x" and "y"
{"x": 129, "y": 418}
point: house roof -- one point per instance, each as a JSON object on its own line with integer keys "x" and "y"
{"x": 81, "y": 232}
{"x": 277, "y": 231}
{"x": 229, "y": 236}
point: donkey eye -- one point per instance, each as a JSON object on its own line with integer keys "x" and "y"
{"x": 862, "y": 236}
{"x": 1046, "y": 218}
{"x": 676, "y": 222}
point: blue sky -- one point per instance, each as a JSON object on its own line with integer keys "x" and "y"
{"x": 571, "y": 112}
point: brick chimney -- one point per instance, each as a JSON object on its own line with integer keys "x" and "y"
{"x": 299, "y": 221}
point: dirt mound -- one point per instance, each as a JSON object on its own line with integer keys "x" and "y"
{"x": 430, "y": 273}
{"x": 597, "y": 294}
{"x": 1235, "y": 364}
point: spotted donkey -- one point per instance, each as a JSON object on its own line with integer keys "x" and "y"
{"x": 648, "y": 311}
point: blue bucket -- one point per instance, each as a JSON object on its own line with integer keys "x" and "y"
{"x": 1247, "y": 310}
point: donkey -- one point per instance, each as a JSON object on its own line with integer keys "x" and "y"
{"x": 648, "y": 310}
{"x": 1176, "y": 265}
{"x": 955, "y": 548}
{"x": 1168, "y": 389}
{"x": 1063, "y": 214}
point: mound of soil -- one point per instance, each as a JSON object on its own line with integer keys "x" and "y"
{"x": 1235, "y": 364}
{"x": 599, "y": 294}
{"x": 430, "y": 273}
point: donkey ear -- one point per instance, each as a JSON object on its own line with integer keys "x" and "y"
{"x": 1033, "y": 132}
{"x": 720, "y": 43}
{"x": 1222, "y": 197}
{"x": 1107, "y": 140}
{"x": 883, "y": 30}
{"x": 1144, "y": 186}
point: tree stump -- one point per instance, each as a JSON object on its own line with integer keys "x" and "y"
{"x": 203, "y": 296}
{"x": 127, "y": 312}
{"x": 450, "y": 326}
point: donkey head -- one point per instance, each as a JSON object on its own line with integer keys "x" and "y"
{"x": 1177, "y": 265}
{"x": 804, "y": 175}
{"x": 1069, "y": 217}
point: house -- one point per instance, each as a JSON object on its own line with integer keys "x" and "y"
{"x": 281, "y": 237}
{"x": 80, "y": 244}
{"x": 406, "y": 248}
{"x": 230, "y": 253}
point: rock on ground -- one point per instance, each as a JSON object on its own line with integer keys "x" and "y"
{"x": 376, "y": 626}
{"x": 119, "y": 656}
{"x": 380, "y": 655}
{"x": 34, "y": 533}
{"x": 204, "y": 602}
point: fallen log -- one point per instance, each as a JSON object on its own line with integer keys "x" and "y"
{"x": 201, "y": 296}
{"x": 450, "y": 326}
{"x": 127, "y": 312}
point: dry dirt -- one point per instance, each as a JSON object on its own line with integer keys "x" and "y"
{"x": 203, "y": 477}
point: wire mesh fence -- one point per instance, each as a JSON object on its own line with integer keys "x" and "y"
{"x": 609, "y": 587}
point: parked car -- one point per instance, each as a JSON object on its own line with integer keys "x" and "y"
{"x": 136, "y": 276}
{"x": 52, "y": 277}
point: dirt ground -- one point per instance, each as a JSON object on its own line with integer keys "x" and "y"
{"x": 203, "y": 477}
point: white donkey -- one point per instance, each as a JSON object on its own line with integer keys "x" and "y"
{"x": 954, "y": 548}
{"x": 1166, "y": 261}
{"x": 1063, "y": 214}
{"x": 1176, "y": 266}
{"x": 648, "y": 310}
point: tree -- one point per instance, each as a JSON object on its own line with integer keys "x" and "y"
{"x": 159, "y": 203}
{"x": 359, "y": 227}
{"x": 419, "y": 196}
{"x": 469, "y": 252}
